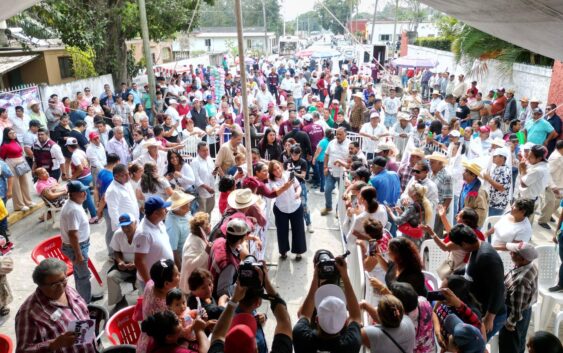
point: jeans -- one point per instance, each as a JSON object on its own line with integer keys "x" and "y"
{"x": 109, "y": 232}
{"x": 81, "y": 271}
{"x": 560, "y": 246}
{"x": 498, "y": 323}
{"x": 319, "y": 171}
{"x": 456, "y": 209}
{"x": 390, "y": 120}
{"x": 515, "y": 341}
{"x": 89, "y": 202}
{"x": 298, "y": 102}
{"x": 306, "y": 213}
{"x": 330, "y": 183}
{"x": 425, "y": 90}
{"x": 496, "y": 211}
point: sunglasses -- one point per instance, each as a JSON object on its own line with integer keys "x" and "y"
{"x": 416, "y": 171}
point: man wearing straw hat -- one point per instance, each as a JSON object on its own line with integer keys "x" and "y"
{"x": 152, "y": 154}
{"x": 356, "y": 116}
{"x": 177, "y": 223}
{"x": 443, "y": 181}
{"x": 472, "y": 194}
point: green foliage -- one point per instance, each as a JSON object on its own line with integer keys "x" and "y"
{"x": 409, "y": 10}
{"x": 310, "y": 20}
{"x": 435, "y": 43}
{"x": 233, "y": 47}
{"x": 448, "y": 27}
{"x": 82, "y": 62}
{"x": 341, "y": 9}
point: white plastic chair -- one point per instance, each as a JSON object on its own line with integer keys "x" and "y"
{"x": 432, "y": 278}
{"x": 436, "y": 256}
{"x": 506, "y": 260}
{"x": 548, "y": 266}
{"x": 50, "y": 207}
{"x": 558, "y": 320}
{"x": 490, "y": 222}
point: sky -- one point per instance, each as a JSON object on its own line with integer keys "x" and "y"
{"x": 292, "y": 8}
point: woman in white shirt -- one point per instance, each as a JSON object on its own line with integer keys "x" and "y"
{"x": 179, "y": 173}
{"x": 195, "y": 253}
{"x": 287, "y": 208}
{"x": 152, "y": 184}
{"x": 513, "y": 227}
{"x": 371, "y": 209}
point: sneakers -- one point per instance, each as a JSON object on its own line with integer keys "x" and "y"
{"x": 93, "y": 220}
{"x": 325, "y": 211}
{"x": 298, "y": 258}
{"x": 309, "y": 229}
{"x": 24, "y": 209}
{"x": 556, "y": 288}
{"x": 545, "y": 226}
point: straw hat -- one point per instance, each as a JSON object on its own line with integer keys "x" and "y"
{"x": 152, "y": 142}
{"x": 535, "y": 100}
{"x": 179, "y": 199}
{"x": 524, "y": 99}
{"x": 417, "y": 152}
{"x": 403, "y": 116}
{"x": 436, "y": 92}
{"x": 32, "y": 103}
{"x": 358, "y": 95}
{"x": 498, "y": 142}
{"x": 437, "y": 156}
{"x": 472, "y": 167}
{"x": 242, "y": 198}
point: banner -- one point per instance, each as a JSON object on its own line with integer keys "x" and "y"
{"x": 11, "y": 99}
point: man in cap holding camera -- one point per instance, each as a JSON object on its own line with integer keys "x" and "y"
{"x": 335, "y": 330}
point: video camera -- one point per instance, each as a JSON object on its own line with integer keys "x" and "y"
{"x": 249, "y": 274}
{"x": 326, "y": 265}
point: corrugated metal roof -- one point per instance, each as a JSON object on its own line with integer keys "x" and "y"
{"x": 8, "y": 63}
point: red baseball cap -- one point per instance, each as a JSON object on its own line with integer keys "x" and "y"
{"x": 485, "y": 129}
{"x": 93, "y": 135}
{"x": 270, "y": 105}
{"x": 241, "y": 337}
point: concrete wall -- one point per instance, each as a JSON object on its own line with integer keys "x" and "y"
{"x": 556, "y": 87}
{"x": 527, "y": 80}
{"x": 96, "y": 85}
{"x": 425, "y": 29}
{"x": 161, "y": 51}
{"x": 220, "y": 44}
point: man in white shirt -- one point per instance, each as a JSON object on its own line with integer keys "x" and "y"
{"x": 204, "y": 172}
{"x": 460, "y": 88}
{"x": 336, "y": 152}
{"x": 391, "y": 106}
{"x": 75, "y": 234}
{"x": 152, "y": 154}
{"x": 120, "y": 196}
{"x": 372, "y": 132}
{"x": 151, "y": 243}
{"x": 554, "y": 190}
{"x": 124, "y": 258}
{"x": 173, "y": 112}
{"x": 445, "y": 110}
{"x": 264, "y": 97}
{"x": 435, "y": 101}
{"x": 118, "y": 145}
{"x": 287, "y": 83}
{"x": 103, "y": 130}
{"x": 96, "y": 154}
{"x": 20, "y": 123}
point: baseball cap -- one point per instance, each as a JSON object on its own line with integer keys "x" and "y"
{"x": 237, "y": 227}
{"x": 93, "y": 135}
{"x": 467, "y": 337}
{"x": 379, "y": 161}
{"x": 71, "y": 141}
{"x": 154, "y": 203}
{"x": 125, "y": 219}
{"x": 241, "y": 337}
{"x": 485, "y": 129}
{"x": 526, "y": 250}
{"x": 383, "y": 147}
{"x": 308, "y": 117}
{"x": 361, "y": 172}
{"x": 75, "y": 186}
{"x": 537, "y": 111}
{"x": 455, "y": 133}
{"x": 331, "y": 308}
{"x": 528, "y": 146}
{"x": 501, "y": 152}
{"x": 209, "y": 96}
{"x": 172, "y": 101}
{"x": 270, "y": 105}
{"x": 374, "y": 115}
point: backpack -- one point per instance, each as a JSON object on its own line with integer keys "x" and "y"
{"x": 216, "y": 230}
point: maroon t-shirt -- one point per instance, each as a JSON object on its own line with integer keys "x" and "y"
{"x": 316, "y": 134}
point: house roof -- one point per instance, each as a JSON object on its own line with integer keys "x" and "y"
{"x": 535, "y": 25}
{"x": 229, "y": 30}
{"x": 9, "y": 63}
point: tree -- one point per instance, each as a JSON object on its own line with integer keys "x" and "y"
{"x": 340, "y": 9}
{"x": 309, "y": 21}
{"x": 104, "y": 26}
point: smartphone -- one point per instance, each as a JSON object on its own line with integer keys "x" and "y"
{"x": 291, "y": 175}
{"x": 215, "y": 171}
{"x": 435, "y": 295}
{"x": 372, "y": 247}
{"x": 239, "y": 169}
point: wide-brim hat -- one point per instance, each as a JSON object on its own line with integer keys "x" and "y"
{"x": 472, "y": 167}
{"x": 152, "y": 142}
{"x": 179, "y": 199}
{"x": 498, "y": 142}
{"x": 403, "y": 116}
{"x": 242, "y": 198}
{"x": 358, "y": 95}
{"x": 437, "y": 156}
{"x": 436, "y": 92}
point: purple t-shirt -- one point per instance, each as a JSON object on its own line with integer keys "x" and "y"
{"x": 316, "y": 134}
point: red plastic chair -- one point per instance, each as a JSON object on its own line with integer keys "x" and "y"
{"x": 51, "y": 247}
{"x": 6, "y": 345}
{"x": 122, "y": 328}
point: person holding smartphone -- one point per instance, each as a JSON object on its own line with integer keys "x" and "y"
{"x": 298, "y": 166}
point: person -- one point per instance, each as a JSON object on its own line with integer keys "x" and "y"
{"x": 298, "y": 166}
{"x": 104, "y": 180}
{"x": 228, "y": 151}
{"x": 123, "y": 269}
{"x": 177, "y": 223}
{"x": 152, "y": 184}
{"x": 166, "y": 330}
{"x": 533, "y": 174}
{"x": 386, "y": 182}
{"x": 514, "y": 226}
{"x": 371, "y": 133}
{"x": 225, "y": 256}
{"x": 195, "y": 253}
{"x": 75, "y": 233}
{"x": 416, "y": 213}
{"x": 421, "y": 175}
{"x": 472, "y": 194}
{"x": 544, "y": 342}
{"x": 521, "y": 293}
{"x": 120, "y": 197}
{"x": 288, "y": 209}
{"x": 335, "y": 329}
{"x": 164, "y": 276}
{"x": 336, "y": 151}
{"x": 118, "y": 144}
{"x": 500, "y": 181}
{"x": 152, "y": 154}
{"x": 372, "y": 209}
{"x": 270, "y": 146}
{"x": 318, "y": 160}
{"x": 35, "y": 329}
{"x": 443, "y": 181}
{"x": 47, "y": 154}
{"x": 152, "y": 244}
{"x": 179, "y": 173}
{"x": 554, "y": 191}
{"x": 49, "y": 188}
{"x": 11, "y": 152}
{"x": 80, "y": 171}
{"x": 538, "y": 130}
{"x": 486, "y": 270}
{"x": 204, "y": 172}
{"x": 463, "y": 337}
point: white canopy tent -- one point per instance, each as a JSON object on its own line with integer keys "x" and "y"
{"x": 536, "y": 25}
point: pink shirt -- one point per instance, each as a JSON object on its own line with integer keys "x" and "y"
{"x": 44, "y": 184}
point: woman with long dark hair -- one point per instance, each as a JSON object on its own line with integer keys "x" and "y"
{"x": 12, "y": 153}
{"x": 269, "y": 146}
{"x": 179, "y": 173}
{"x": 152, "y": 184}
{"x": 367, "y": 200}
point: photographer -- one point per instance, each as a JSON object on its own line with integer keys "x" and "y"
{"x": 335, "y": 331}
{"x": 239, "y": 336}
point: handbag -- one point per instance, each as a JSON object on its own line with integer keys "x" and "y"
{"x": 413, "y": 232}
{"x": 22, "y": 168}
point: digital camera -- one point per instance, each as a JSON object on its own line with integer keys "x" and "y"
{"x": 249, "y": 273}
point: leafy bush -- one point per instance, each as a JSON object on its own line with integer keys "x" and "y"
{"x": 439, "y": 43}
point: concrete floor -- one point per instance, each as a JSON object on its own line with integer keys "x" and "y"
{"x": 290, "y": 277}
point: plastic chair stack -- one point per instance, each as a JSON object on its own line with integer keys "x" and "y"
{"x": 122, "y": 328}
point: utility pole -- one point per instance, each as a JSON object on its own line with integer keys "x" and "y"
{"x": 393, "y": 44}
{"x": 147, "y": 47}
{"x": 265, "y": 28}
{"x": 240, "y": 40}
{"x": 373, "y": 23}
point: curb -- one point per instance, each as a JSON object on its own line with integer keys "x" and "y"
{"x": 15, "y": 217}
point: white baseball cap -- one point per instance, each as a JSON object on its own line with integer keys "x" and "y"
{"x": 330, "y": 302}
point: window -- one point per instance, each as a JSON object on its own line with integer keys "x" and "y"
{"x": 249, "y": 43}
{"x": 384, "y": 37}
{"x": 208, "y": 42}
{"x": 65, "y": 66}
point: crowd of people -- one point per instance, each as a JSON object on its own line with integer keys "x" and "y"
{"x": 409, "y": 167}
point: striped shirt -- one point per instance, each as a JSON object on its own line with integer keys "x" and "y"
{"x": 521, "y": 291}
{"x": 40, "y": 321}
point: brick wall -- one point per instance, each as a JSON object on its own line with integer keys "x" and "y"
{"x": 556, "y": 87}
{"x": 404, "y": 49}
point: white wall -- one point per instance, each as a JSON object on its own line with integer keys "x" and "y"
{"x": 219, "y": 44}
{"x": 426, "y": 29}
{"x": 527, "y": 80}
{"x": 69, "y": 89}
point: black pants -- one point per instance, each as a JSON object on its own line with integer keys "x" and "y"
{"x": 298, "y": 241}
{"x": 515, "y": 341}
